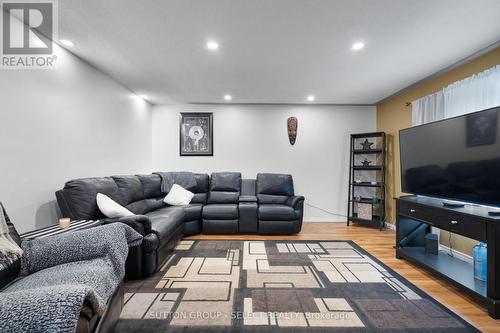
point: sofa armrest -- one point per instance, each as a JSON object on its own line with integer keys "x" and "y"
{"x": 87, "y": 244}
{"x": 295, "y": 201}
{"x": 140, "y": 223}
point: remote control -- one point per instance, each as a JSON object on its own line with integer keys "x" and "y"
{"x": 450, "y": 204}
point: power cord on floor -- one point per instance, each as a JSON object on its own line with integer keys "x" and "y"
{"x": 451, "y": 245}
{"x": 324, "y": 210}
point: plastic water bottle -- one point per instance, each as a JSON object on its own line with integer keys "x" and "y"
{"x": 480, "y": 255}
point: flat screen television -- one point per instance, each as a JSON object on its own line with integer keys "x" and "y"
{"x": 455, "y": 159}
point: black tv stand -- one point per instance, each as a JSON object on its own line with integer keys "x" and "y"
{"x": 416, "y": 215}
{"x": 451, "y": 204}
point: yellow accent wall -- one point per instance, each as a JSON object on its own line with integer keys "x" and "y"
{"x": 393, "y": 115}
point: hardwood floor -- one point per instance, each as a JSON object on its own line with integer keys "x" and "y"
{"x": 380, "y": 244}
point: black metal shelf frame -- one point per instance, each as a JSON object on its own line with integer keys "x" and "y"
{"x": 378, "y": 218}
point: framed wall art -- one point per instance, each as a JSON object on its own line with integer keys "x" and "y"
{"x": 196, "y": 134}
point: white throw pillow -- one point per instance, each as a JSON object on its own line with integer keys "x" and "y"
{"x": 111, "y": 208}
{"x": 178, "y": 196}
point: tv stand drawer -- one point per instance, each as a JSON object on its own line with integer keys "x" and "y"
{"x": 418, "y": 212}
{"x": 445, "y": 219}
{"x": 461, "y": 224}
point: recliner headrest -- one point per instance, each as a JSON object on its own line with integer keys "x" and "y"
{"x": 130, "y": 188}
{"x": 275, "y": 184}
{"x": 225, "y": 181}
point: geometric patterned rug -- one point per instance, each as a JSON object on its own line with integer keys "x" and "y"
{"x": 279, "y": 286}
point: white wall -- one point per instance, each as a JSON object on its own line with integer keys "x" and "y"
{"x": 253, "y": 139}
{"x": 65, "y": 123}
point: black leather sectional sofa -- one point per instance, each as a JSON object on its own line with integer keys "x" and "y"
{"x": 222, "y": 204}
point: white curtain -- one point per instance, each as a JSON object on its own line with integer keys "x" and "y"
{"x": 475, "y": 93}
{"x": 428, "y": 109}
{"x": 478, "y": 92}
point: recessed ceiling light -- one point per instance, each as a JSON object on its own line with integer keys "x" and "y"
{"x": 358, "y": 46}
{"x": 311, "y": 98}
{"x": 66, "y": 42}
{"x": 228, "y": 97}
{"x": 212, "y": 45}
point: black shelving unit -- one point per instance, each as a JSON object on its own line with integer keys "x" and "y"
{"x": 376, "y": 181}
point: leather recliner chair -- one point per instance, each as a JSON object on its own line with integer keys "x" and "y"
{"x": 220, "y": 215}
{"x": 280, "y": 211}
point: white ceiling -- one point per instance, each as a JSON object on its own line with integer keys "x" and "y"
{"x": 275, "y": 51}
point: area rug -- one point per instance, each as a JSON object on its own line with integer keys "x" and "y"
{"x": 279, "y": 286}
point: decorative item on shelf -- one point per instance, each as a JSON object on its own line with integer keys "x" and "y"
{"x": 365, "y": 211}
{"x": 196, "y": 134}
{"x": 373, "y": 183}
{"x": 357, "y": 198}
{"x": 375, "y": 200}
{"x": 64, "y": 223}
{"x": 292, "y": 125}
{"x": 480, "y": 255}
{"x": 366, "y": 162}
{"x": 431, "y": 244}
{"x": 358, "y": 179}
{"x": 367, "y": 145}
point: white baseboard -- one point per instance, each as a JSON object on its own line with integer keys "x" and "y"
{"x": 323, "y": 219}
{"x": 456, "y": 254}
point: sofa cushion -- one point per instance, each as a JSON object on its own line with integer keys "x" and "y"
{"x": 273, "y": 212}
{"x": 220, "y": 212}
{"x": 151, "y": 185}
{"x": 130, "y": 188}
{"x": 223, "y": 197}
{"x": 224, "y": 188}
{"x": 220, "y": 226}
{"x": 225, "y": 182}
{"x": 275, "y": 184}
{"x": 272, "y": 199}
{"x": 201, "y": 189}
{"x": 139, "y": 207}
{"x": 200, "y": 198}
{"x": 165, "y": 221}
{"x": 192, "y": 227}
{"x": 151, "y": 197}
{"x": 144, "y": 206}
{"x": 202, "y": 183}
{"x": 81, "y": 195}
{"x": 193, "y": 212}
